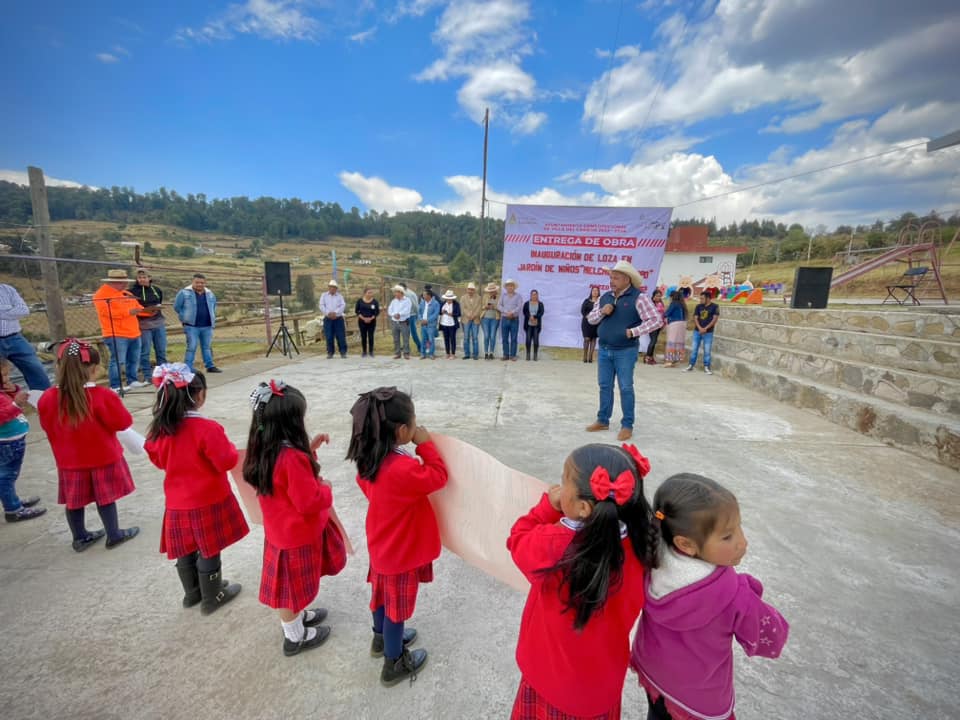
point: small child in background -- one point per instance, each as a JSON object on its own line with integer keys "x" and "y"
{"x": 657, "y": 299}
{"x": 295, "y": 501}
{"x": 403, "y": 538}
{"x": 697, "y": 604}
{"x": 584, "y": 549}
{"x": 82, "y": 421}
{"x": 676, "y": 319}
{"x": 13, "y": 445}
{"x": 705, "y": 317}
{"x": 201, "y": 516}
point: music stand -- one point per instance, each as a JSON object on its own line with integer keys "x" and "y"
{"x": 282, "y": 332}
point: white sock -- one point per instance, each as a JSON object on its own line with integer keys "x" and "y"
{"x": 293, "y": 631}
{"x": 308, "y": 615}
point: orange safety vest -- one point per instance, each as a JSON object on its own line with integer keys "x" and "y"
{"x": 124, "y": 324}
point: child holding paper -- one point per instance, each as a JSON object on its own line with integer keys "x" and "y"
{"x": 300, "y": 544}
{"x": 584, "y": 548}
{"x": 402, "y": 534}
{"x": 201, "y": 515}
{"x": 82, "y": 421}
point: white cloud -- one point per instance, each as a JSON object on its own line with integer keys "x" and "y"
{"x": 20, "y": 177}
{"x": 484, "y": 42}
{"x": 377, "y": 194}
{"x": 363, "y": 36}
{"x": 120, "y": 50}
{"x": 270, "y": 19}
{"x": 749, "y": 54}
{"x": 416, "y": 8}
{"x": 107, "y": 58}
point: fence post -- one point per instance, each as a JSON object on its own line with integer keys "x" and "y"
{"x": 48, "y": 268}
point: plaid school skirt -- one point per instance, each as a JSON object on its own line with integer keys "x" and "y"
{"x": 290, "y": 578}
{"x": 208, "y": 529}
{"x": 397, "y": 594}
{"x": 100, "y": 485}
{"x": 530, "y": 705}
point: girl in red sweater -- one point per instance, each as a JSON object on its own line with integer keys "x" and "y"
{"x": 295, "y": 502}
{"x": 82, "y": 421}
{"x": 583, "y": 548}
{"x": 402, "y": 534}
{"x": 202, "y": 516}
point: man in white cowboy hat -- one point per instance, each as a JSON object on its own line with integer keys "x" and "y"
{"x": 510, "y": 307}
{"x": 399, "y": 311}
{"x": 449, "y": 322}
{"x": 471, "y": 308}
{"x": 117, "y": 311}
{"x": 414, "y": 304}
{"x": 623, "y": 315}
{"x": 332, "y": 307}
{"x": 490, "y": 320}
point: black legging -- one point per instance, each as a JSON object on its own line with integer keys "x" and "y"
{"x": 653, "y": 342}
{"x": 366, "y": 336}
{"x": 204, "y": 565}
{"x": 449, "y": 338}
{"x": 533, "y": 338}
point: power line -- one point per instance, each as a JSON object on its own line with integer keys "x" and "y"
{"x": 606, "y": 90}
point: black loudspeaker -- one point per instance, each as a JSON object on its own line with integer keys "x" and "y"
{"x": 811, "y": 287}
{"x": 278, "y": 278}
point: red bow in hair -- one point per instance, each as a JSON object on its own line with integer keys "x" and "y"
{"x": 72, "y": 346}
{"x": 621, "y": 489}
{"x": 277, "y": 389}
{"x": 643, "y": 464}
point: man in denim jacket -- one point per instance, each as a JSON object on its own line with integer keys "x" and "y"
{"x": 196, "y": 306}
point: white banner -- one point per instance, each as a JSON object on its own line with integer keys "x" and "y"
{"x": 561, "y": 252}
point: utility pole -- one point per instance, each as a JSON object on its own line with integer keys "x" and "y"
{"x": 483, "y": 192}
{"x": 48, "y": 268}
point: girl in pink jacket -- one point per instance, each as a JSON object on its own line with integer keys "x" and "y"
{"x": 697, "y": 604}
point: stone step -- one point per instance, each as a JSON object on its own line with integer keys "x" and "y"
{"x": 922, "y": 433}
{"x": 922, "y": 391}
{"x": 923, "y": 355}
{"x": 941, "y": 323}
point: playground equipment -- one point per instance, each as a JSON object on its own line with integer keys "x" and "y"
{"x": 917, "y": 246}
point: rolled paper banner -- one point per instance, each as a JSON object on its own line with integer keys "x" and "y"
{"x": 248, "y": 496}
{"x": 33, "y": 397}
{"x": 132, "y": 441}
{"x": 481, "y": 501}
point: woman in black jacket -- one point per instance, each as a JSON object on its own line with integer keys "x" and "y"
{"x": 532, "y": 312}
{"x": 589, "y": 331}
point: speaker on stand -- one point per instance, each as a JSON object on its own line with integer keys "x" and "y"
{"x": 811, "y": 287}
{"x": 277, "y": 278}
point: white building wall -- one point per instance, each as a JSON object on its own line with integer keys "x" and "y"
{"x": 696, "y": 265}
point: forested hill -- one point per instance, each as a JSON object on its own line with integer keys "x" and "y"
{"x": 268, "y": 218}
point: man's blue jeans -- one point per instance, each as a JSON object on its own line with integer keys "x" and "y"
{"x": 125, "y": 351}
{"x": 157, "y": 339}
{"x": 413, "y": 329}
{"x": 616, "y": 363}
{"x": 489, "y": 335}
{"x": 17, "y": 350}
{"x": 707, "y": 340}
{"x": 335, "y": 329}
{"x": 471, "y": 338}
{"x": 428, "y": 340}
{"x": 203, "y": 336}
{"x": 509, "y": 329}
{"x": 11, "y": 458}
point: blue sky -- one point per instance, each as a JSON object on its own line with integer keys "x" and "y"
{"x": 379, "y": 103}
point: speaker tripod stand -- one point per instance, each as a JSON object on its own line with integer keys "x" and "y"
{"x": 283, "y": 336}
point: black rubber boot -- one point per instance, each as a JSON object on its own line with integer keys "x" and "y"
{"x": 405, "y": 666}
{"x": 376, "y": 647}
{"x": 215, "y": 591}
{"x": 528, "y": 352}
{"x": 190, "y": 579}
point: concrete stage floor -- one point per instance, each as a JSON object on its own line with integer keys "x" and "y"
{"x": 855, "y": 542}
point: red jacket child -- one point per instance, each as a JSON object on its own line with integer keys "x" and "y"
{"x": 402, "y": 532}
{"x": 580, "y": 672}
{"x": 93, "y": 441}
{"x": 299, "y": 508}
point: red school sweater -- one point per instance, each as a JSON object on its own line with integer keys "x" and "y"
{"x": 580, "y": 672}
{"x": 297, "y": 511}
{"x": 402, "y": 532}
{"x": 196, "y": 458}
{"x": 93, "y": 441}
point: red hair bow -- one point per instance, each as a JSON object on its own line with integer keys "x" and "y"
{"x": 277, "y": 389}
{"x": 620, "y": 490}
{"x": 643, "y": 464}
{"x": 72, "y": 346}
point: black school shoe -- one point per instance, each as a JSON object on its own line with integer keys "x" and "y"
{"x": 405, "y": 666}
{"x": 90, "y": 539}
{"x": 291, "y": 648}
{"x": 376, "y": 647}
{"x": 24, "y": 513}
{"x": 319, "y": 615}
{"x": 126, "y": 534}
